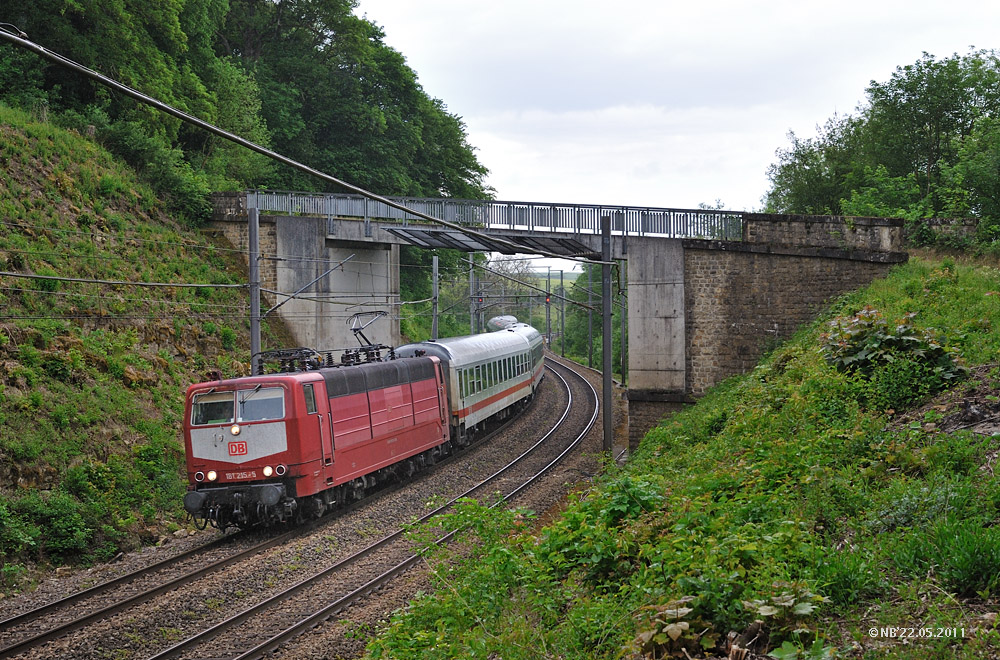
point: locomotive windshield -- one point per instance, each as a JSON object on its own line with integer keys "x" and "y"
{"x": 259, "y": 404}
{"x": 251, "y": 405}
{"x": 212, "y": 408}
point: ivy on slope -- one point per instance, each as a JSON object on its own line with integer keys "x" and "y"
{"x": 788, "y": 512}
{"x": 92, "y": 376}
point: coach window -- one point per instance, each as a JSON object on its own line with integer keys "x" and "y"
{"x": 310, "y": 395}
{"x": 479, "y": 379}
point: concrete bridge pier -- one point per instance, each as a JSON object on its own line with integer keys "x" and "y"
{"x": 367, "y": 281}
{"x": 656, "y": 332}
{"x": 297, "y": 250}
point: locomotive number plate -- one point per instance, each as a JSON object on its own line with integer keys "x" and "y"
{"x": 237, "y": 448}
{"x": 249, "y": 474}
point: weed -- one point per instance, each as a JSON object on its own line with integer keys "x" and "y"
{"x": 214, "y": 602}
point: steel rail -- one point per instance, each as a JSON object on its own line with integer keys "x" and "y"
{"x": 207, "y": 635}
{"x": 339, "y": 605}
{"x": 119, "y": 606}
{"x": 121, "y": 580}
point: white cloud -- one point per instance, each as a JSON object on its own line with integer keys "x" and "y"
{"x": 659, "y": 103}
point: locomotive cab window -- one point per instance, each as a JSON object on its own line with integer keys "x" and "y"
{"x": 212, "y": 408}
{"x": 260, "y": 404}
{"x": 310, "y": 395}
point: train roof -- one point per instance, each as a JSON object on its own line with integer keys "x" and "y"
{"x": 525, "y": 330}
{"x": 471, "y": 348}
{"x": 500, "y": 322}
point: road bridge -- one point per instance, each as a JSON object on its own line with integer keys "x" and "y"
{"x": 708, "y": 290}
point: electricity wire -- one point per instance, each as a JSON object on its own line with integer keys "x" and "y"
{"x": 21, "y": 39}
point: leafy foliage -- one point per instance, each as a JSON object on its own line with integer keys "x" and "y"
{"x": 582, "y": 323}
{"x": 903, "y": 363}
{"x": 923, "y": 145}
{"x": 92, "y": 375}
{"x": 781, "y": 515}
{"x": 306, "y": 77}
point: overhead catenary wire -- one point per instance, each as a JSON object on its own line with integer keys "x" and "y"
{"x": 158, "y": 301}
{"x": 82, "y": 280}
{"x": 21, "y": 39}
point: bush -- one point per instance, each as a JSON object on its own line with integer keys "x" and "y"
{"x": 228, "y": 338}
{"x": 67, "y": 534}
{"x": 902, "y": 363}
{"x": 185, "y": 189}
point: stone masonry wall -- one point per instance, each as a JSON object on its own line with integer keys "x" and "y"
{"x": 827, "y": 231}
{"x": 740, "y": 303}
{"x": 235, "y": 229}
{"x": 645, "y": 415}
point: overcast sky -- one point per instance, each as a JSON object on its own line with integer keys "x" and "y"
{"x": 659, "y": 103}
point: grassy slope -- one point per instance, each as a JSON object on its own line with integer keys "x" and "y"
{"x": 780, "y": 497}
{"x": 92, "y": 376}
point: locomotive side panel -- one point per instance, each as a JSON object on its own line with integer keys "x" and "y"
{"x": 396, "y": 432}
{"x": 427, "y": 394}
{"x": 347, "y": 392}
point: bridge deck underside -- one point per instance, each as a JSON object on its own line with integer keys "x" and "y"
{"x": 441, "y": 238}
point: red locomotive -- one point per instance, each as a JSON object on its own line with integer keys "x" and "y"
{"x": 275, "y": 447}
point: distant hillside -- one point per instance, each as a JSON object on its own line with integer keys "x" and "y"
{"x": 92, "y": 375}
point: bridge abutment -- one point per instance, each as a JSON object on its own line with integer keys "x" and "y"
{"x": 738, "y": 299}
{"x": 295, "y": 250}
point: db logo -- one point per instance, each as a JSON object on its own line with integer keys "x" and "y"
{"x": 237, "y": 448}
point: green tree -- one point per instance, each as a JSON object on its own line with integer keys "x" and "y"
{"x": 918, "y": 118}
{"x": 336, "y": 97}
{"x": 586, "y": 289}
{"x": 307, "y": 77}
{"x": 924, "y": 145}
{"x": 977, "y": 172}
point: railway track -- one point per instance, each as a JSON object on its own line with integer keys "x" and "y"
{"x": 237, "y": 636}
{"x": 384, "y": 552}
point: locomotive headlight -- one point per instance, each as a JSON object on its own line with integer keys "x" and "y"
{"x": 268, "y": 471}
{"x": 212, "y": 476}
{"x": 280, "y": 470}
{"x": 199, "y": 476}
{"x": 235, "y": 430}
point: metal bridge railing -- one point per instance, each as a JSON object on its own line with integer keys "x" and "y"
{"x": 523, "y": 216}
